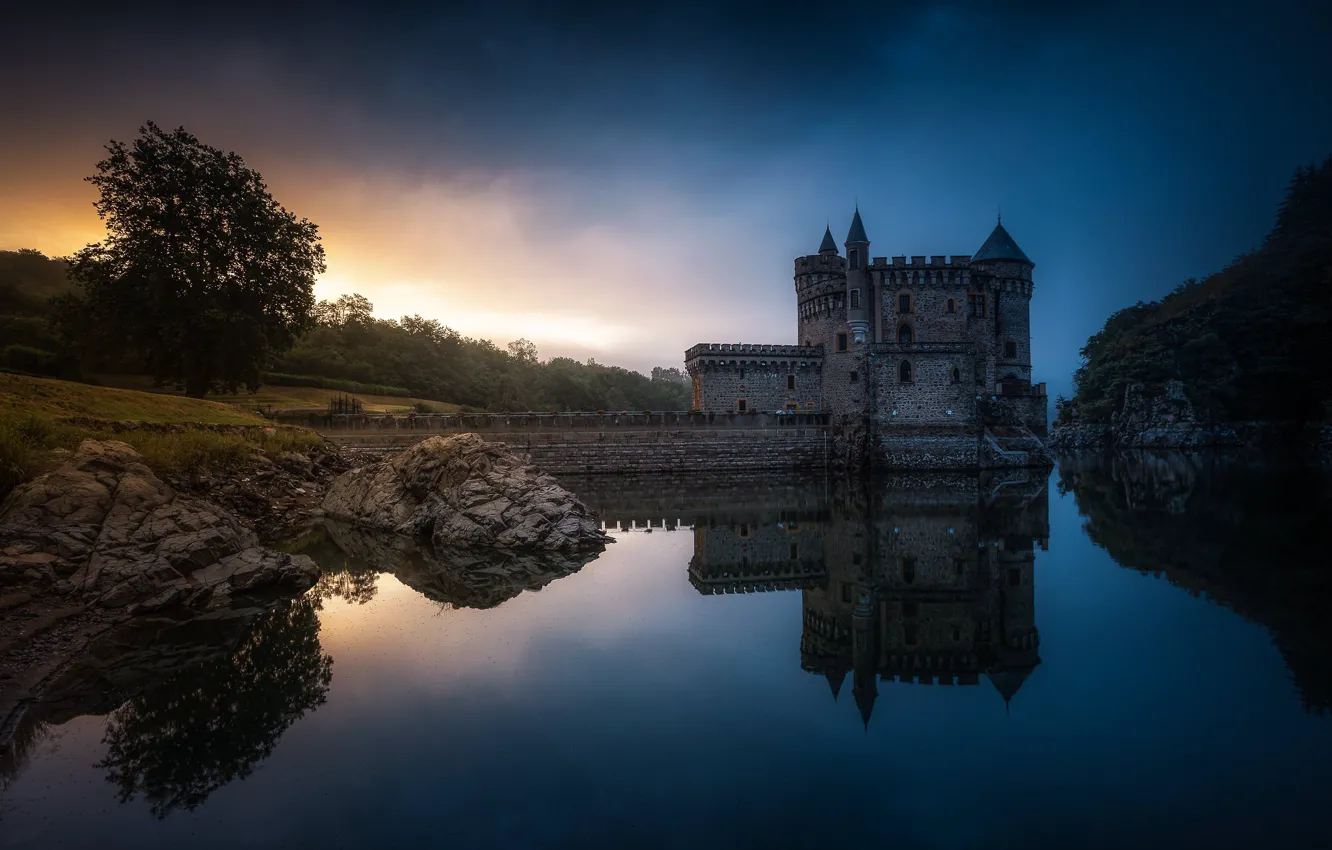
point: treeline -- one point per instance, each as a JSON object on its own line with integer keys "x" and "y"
{"x": 347, "y": 349}
{"x": 436, "y": 362}
{"x": 1249, "y": 342}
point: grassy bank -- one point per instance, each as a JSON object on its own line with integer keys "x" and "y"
{"x": 285, "y": 397}
{"x": 39, "y": 417}
{"x": 66, "y": 399}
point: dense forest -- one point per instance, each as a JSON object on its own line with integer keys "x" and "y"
{"x": 347, "y": 349}
{"x": 1248, "y": 343}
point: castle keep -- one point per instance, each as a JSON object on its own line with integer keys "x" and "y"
{"x": 915, "y": 363}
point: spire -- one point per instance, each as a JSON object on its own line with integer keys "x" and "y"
{"x": 857, "y": 234}
{"x": 1000, "y": 246}
{"x": 865, "y": 698}
{"x": 835, "y": 680}
{"x": 828, "y": 246}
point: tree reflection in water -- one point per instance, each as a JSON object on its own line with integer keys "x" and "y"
{"x": 210, "y": 724}
{"x": 1250, "y": 537}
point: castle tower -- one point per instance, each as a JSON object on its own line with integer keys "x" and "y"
{"x": 1001, "y": 272}
{"x": 858, "y": 295}
{"x": 820, "y": 283}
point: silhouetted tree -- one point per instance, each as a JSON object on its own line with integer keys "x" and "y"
{"x": 203, "y": 274}
{"x": 211, "y": 724}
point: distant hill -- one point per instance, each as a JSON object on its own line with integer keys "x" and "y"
{"x": 1249, "y": 343}
{"x": 29, "y": 280}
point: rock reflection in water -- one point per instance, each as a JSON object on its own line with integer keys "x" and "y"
{"x": 1249, "y": 537}
{"x": 922, "y": 578}
{"x": 352, "y": 558}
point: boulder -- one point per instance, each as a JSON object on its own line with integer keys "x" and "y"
{"x": 464, "y": 491}
{"x": 104, "y": 527}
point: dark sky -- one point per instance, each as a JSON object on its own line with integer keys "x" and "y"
{"x": 624, "y": 180}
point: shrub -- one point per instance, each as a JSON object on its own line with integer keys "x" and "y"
{"x": 25, "y": 358}
{"x": 282, "y": 379}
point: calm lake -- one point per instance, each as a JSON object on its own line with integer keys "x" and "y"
{"x": 1133, "y": 653}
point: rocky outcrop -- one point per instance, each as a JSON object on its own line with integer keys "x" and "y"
{"x": 465, "y": 492}
{"x": 104, "y": 528}
{"x": 1162, "y": 418}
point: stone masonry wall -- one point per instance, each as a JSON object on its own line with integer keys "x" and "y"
{"x": 927, "y": 447}
{"x": 931, "y": 398}
{"x": 763, "y": 388}
{"x": 1026, "y": 410}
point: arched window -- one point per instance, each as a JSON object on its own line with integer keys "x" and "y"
{"x": 957, "y": 375}
{"x": 904, "y": 333}
{"x": 952, "y": 306}
{"x": 904, "y": 372}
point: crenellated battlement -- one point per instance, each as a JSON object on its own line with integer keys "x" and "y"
{"x": 820, "y": 264}
{"x": 726, "y": 350}
{"x": 918, "y": 261}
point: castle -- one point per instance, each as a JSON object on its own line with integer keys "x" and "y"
{"x": 914, "y": 363}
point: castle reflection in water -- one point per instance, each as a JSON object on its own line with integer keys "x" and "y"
{"x": 924, "y": 579}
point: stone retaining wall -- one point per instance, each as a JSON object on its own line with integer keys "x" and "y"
{"x": 592, "y": 453}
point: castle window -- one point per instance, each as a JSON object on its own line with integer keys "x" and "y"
{"x": 846, "y": 593}
{"x": 904, "y": 302}
{"x": 790, "y": 382}
{"x": 795, "y": 551}
{"x": 908, "y": 570}
{"x": 976, "y": 303}
{"x": 809, "y": 405}
{"x": 855, "y": 376}
{"x": 744, "y": 529}
{"x": 841, "y": 342}
{"x": 1014, "y": 578}
{"x": 1010, "y": 349}
{"x": 855, "y": 299}
{"x": 742, "y": 374}
{"x": 904, "y": 333}
{"x": 957, "y": 375}
{"x": 741, "y": 405}
{"x": 904, "y": 371}
{"x": 952, "y": 306}
{"x": 854, "y": 257}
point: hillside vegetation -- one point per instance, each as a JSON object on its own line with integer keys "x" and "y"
{"x": 388, "y": 364}
{"x": 1248, "y": 343}
{"x": 40, "y": 416}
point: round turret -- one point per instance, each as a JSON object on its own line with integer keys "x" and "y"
{"x": 820, "y": 284}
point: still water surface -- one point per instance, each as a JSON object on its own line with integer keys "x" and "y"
{"x": 1134, "y": 653}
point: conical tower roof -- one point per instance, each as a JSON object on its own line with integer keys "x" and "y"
{"x": 1000, "y": 246}
{"x": 857, "y": 233}
{"x": 1007, "y": 680}
{"x": 835, "y": 679}
{"x": 829, "y": 245}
